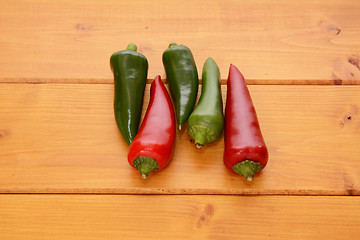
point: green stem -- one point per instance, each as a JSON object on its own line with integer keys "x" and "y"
{"x": 132, "y": 47}
{"x": 172, "y": 44}
{"x": 200, "y": 140}
{"x": 145, "y": 165}
{"x": 247, "y": 169}
{"x": 201, "y": 134}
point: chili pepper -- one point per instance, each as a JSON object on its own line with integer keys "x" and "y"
{"x": 245, "y": 150}
{"x": 206, "y": 122}
{"x": 153, "y": 146}
{"x": 183, "y": 79}
{"x": 130, "y": 73}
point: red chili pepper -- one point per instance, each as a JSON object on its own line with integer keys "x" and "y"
{"x": 153, "y": 146}
{"x": 245, "y": 150}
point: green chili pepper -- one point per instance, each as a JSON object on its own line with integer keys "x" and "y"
{"x": 206, "y": 122}
{"x": 130, "y": 73}
{"x": 183, "y": 80}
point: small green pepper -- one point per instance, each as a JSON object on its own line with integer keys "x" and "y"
{"x": 130, "y": 74}
{"x": 182, "y": 76}
{"x": 206, "y": 122}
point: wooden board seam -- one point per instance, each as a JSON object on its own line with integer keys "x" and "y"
{"x": 180, "y": 192}
{"x": 334, "y": 82}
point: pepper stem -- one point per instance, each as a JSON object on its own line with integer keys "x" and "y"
{"x": 172, "y": 44}
{"x": 247, "y": 168}
{"x": 201, "y": 134}
{"x": 132, "y": 47}
{"x": 200, "y": 140}
{"x": 145, "y": 165}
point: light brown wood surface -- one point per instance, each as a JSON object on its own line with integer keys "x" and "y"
{"x": 63, "y": 163}
{"x": 63, "y": 138}
{"x": 300, "y": 42}
{"x": 178, "y": 217}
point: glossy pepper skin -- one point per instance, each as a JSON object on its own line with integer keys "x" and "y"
{"x": 183, "y": 80}
{"x": 153, "y": 146}
{"x": 245, "y": 151}
{"x": 206, "y": 122}
{"x": 130, "y": 73}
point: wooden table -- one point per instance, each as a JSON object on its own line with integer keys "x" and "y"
{"x": 63, "y": 164}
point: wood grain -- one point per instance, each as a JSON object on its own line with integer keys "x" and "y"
{"x": 291, "y": 42}
{"x": 61, "y": 150}
{"x": 62, "y": 138}
{"x": 180, "y": 217}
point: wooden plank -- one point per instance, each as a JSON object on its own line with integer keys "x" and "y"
{"x": 180, "y": 217}
{"x": 57, "y": 138}
{"x": 291, "y": 41}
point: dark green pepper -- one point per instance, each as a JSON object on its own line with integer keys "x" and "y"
{"x": 206, "y": 122}
{"x": 130, "y": 74}
{"x": 183, "y": 80}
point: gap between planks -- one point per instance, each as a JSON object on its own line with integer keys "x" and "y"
{"x": 181, "y": 192}
{"x": 334, "y": 82}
